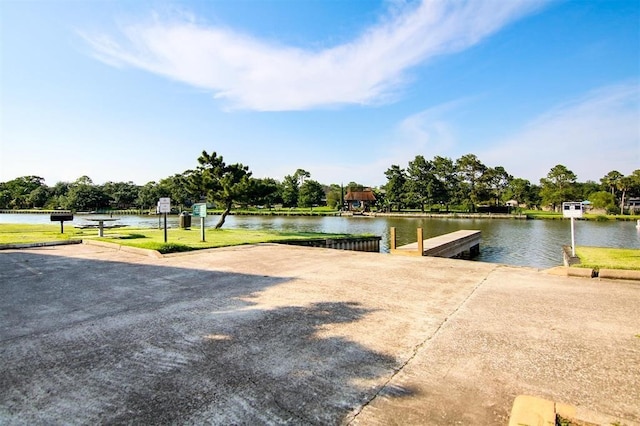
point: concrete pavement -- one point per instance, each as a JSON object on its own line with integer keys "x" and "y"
{"x": 272, "y": 334}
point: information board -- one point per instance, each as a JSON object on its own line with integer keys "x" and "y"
{"x": 164, "y": 205}
{"x": 199, "y": 210}
{"x": 572, "y": 209}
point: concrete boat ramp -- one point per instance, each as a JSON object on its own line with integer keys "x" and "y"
{"x": 272, "y": 334}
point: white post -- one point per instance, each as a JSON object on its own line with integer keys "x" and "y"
{"x": 573, "y": 240}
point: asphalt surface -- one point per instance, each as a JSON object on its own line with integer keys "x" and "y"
{"x": 273, "y": 334}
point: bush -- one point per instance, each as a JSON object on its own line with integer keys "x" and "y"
{"x": 612, "y": 209}
{"x": 173, "y": 248}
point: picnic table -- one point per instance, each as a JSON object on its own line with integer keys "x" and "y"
{"x": 100, "y": 225}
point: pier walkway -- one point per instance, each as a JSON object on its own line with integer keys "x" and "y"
{"x": 452, "y": 244}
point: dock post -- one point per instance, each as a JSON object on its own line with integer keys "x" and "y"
{"x": 420, "y": 243}
{"x": 392, "y": 231}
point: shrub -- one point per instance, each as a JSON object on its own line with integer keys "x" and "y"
{"x": 173, "y": 248}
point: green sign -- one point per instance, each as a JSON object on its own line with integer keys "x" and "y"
{"x": 199, "y": 210}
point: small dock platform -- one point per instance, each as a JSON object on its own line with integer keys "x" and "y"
{"x": 453, "y": 244}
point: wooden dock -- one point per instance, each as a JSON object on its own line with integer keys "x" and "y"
{"x": 447, "y": 245}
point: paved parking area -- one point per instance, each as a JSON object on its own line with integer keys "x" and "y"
{"x": 274, "y": 334}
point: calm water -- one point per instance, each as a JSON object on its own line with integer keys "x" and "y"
{"x": 533, "y": 243}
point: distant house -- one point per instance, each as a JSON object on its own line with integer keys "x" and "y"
{"x": 633, "y": 204}
{"x": 360, "y": 200}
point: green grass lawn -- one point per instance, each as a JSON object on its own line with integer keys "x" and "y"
{"x": 608, "y": 258}
{"x": 185, "y": 240}
{"x": 177, "y": 239}
{"x": 18, "y": 233}
{"x": 539, "y": 214}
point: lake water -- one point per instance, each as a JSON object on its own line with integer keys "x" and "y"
{"x": 535, "y": 243}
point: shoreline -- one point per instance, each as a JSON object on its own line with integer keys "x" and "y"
{"x": 321, "y": 213}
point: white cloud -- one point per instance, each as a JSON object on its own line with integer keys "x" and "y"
{"x": 250, "y": 73}
{"x": 592, "y": 135}
{"x": 369, "y": 173}
{"x": 429, "y": 132}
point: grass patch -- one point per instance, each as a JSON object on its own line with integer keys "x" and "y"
{"x": 608, "y": 258}
{"x": 11, "y": 233}
{"x": 285, "y": 211}
{"x": 190, "y": 239}
{"x": 539, "y": 214}
{"x": 177, "y": 239}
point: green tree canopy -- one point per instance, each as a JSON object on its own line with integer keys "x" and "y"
{"x": 497, "y": 180}
{"x": 603, "y": 200}
{"x": 634, "y": 191}
{"x": 444, "y": 171}
{"x": 395, "y": 187}
{"x": 290, "y": 189}
{"x": 610, "y": 181}
{"x": 265, "y": 192}
{"x": 354, "y": 187}
{"x": 181, "y": 189}
{"x": 422, "y": 184}
{"x": 83, "y": 195}
{"x": 311, "y": 193}
{"x": 123, "y": 194}
{"x": 149, "y": 194}
{"x": 335, "y": 196}
{"x": 585, "y": 189}
{"x": 558, "y": 186}
{"x": 39, "y": 197}
{"x": 223, "y": 183}
{"x": 301, "y": 175}
{"x": 624, "y": 184}
{"x": 470, "y": 171}
{"x": 522, "y": 191}
{"x": 17, "y": 193}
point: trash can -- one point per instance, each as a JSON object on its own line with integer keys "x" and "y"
{"x": 185, "y": 220}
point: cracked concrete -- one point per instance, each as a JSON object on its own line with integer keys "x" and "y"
{"x": 273, "y": 334}
{"x": 388, "y": 384}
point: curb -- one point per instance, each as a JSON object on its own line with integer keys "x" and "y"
{"x": 533, "y": 411}
{"x": 581, "y": 272}
{"x": 611, "y": 274}
{"x": 40, "y": 244}
{"x": 127, "y": 249}
{"x": 619, "y": 274}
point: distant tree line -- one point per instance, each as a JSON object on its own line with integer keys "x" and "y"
{"x": 440, "y": 183}
{"x": 468, "y": 184}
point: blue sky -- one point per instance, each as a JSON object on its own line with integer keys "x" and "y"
{"x": 134, "y": 91}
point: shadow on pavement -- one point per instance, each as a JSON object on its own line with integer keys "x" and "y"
{"x": 85, "y": 341}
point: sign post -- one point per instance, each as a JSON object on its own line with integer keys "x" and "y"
{"x": 572, "y": 210}
{"x": 164, "y": 206}
{"x": 200, "y": 210}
